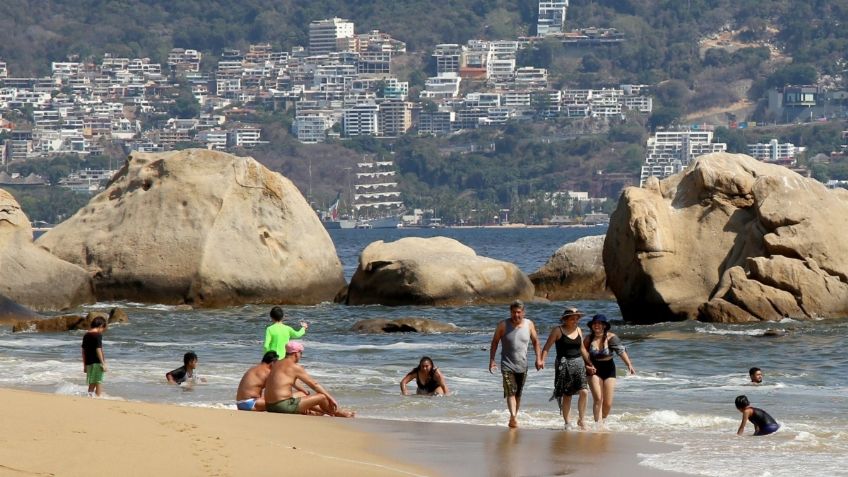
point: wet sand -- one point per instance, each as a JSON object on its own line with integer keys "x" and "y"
{"x": 467, "y": 450}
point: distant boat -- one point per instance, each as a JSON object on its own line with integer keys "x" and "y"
{"x": 376, "y": 198}
{"x": 333, "y": 221}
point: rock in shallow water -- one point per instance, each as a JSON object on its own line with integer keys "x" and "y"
{"x": 202, "y": 228}
{"x": 730, "y": 239}
{"x": 30, "y": 275}
{"x": 574, "y": 272}
{"x": 403, "y": 325}
{"x": 432, "y": 271}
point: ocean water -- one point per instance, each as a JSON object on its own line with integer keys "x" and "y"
{"x": 688, "y": 374}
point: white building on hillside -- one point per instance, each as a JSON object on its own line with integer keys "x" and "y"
{"x": 551, "y": 17}
{"x": 773, "y": 151}
{"x": 330, "y": 35}
{"x": 443, "y": 86}
{"x": 361, "y": 120}
{"x": 669, "y": 152}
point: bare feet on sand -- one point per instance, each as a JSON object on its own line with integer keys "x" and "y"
{"x": 581, "y": 425}
{"x": 513, "y": 422}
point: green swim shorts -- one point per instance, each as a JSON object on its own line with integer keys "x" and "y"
{"x": 286, "y": 406}
{"x": 94, "y": 373}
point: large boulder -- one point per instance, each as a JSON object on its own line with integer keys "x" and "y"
{"x": 403, "y": 325}
{"x": 574, "y": 272}
{"x": 30, "y": 275}
{"x": 202, "y": 228}
{"x": 730, "y": 239}
{"x": 433, "y": 271}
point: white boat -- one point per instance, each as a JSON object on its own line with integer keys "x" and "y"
{"x": 376, "y": 197}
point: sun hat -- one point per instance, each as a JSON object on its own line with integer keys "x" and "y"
{"x": 601, "y": 319}
{"x": 571, "y": 312}
{"x": 293, "y": 347}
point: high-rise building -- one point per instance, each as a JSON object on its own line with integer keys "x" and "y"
{"x": 334, "y": 34}
{"x": 551, "y": 17}
{"x": 669, "y": 152}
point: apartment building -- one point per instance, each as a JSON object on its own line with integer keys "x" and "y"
{"x": 773, "y": 151}
{"x": 334, "y": 34}
{"x": 449, "y": 58}
{"x": 551, "y": 19}
{"x": 435, "y": 123}
{"x": 669, "y": 152}
{"x": 443, "y": 86}
{"x": 394, "y": 118}
{"x": 184, "y": 60}
{"x": 529, "y": 77}
{"x": 361, "y": 120}
{"x": 247, "y": 137}
{"x": 214, "y": 139}
{"x": 311, "y": 127}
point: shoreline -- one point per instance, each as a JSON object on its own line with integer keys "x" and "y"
{"x": 85, "y": 436}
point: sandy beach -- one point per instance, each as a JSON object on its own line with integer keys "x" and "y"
{"x": 59, "y": 435}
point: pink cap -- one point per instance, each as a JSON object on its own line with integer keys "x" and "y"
{"x": 293, "y": 347}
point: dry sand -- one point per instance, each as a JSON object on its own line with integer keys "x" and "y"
{"x": 45, "y": 435}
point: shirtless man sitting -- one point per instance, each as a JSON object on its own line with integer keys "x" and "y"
{"x": 249, "y": 394}
{"x": 279, "y": 393}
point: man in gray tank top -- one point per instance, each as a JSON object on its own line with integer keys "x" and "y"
{"x": 515, "y": 333}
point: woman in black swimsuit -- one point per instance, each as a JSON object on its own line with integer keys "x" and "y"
{"x": 572, "y": 360}
{"x": 428, "y": 378}
{"x": 601, "y": 345}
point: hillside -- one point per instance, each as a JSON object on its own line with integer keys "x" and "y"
{"x": 704, "y": 60}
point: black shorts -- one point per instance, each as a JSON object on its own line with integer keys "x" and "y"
{"x": 513, "y": 383}
{"x": 604, "y": 369}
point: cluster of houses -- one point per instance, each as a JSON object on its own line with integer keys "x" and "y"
{"x": 342, "y": 93}
{"x": 81, "y": 106}
{"x": 342, "y": 84}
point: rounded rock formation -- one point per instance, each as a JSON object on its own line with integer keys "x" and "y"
{"x": 203, "y": 228}
{"x": 730, "y": 239}
{"x": 30, "y": 275}
{"x": 403, "y": 325}
{"x": 574, "y": 272}
{"x": 433, "y": 271}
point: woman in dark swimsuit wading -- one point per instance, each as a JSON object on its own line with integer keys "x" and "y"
{"x": 601, "y": 344}
{"x": 428, "y": 378}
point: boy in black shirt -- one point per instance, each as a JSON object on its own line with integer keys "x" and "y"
{"x": 186, "y": 372}
{"x": 93, "y": 362}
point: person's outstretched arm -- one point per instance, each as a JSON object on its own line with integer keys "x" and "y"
{"x": 403, "y": 382}
{"x": 552, "y": 337}
{"x": 614, "y": 343}
{"x": 298, "y": 333}
{"x": 496, "y": 338}
{"x": 441, "y": 380}
{"x": 534, "y": 338}
{"x": 745, "y": 414}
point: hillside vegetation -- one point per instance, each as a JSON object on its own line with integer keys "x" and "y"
{"x": 676, "y": 46}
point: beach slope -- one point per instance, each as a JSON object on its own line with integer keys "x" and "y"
{"x": 46, "y": 434}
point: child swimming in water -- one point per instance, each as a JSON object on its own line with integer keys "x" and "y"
{"x": 764, "y": 424}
